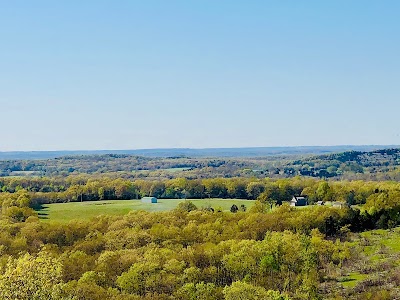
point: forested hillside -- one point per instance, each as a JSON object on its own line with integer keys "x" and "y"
{"x": 375, "y": 165}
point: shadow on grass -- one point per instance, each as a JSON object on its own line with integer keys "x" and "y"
{"x": 346, "y": 279}
{"x": 41, "y": 211}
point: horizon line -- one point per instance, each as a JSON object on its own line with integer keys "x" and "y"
{"x": 207, "y": 148}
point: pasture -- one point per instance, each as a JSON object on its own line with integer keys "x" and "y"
{"x": 378, "y": 255}
{"x": 65, "y": 212}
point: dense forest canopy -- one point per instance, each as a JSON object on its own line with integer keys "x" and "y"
{"x": 269, "y": 251}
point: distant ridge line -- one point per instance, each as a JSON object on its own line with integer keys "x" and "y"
{"x": 197, "y": 152}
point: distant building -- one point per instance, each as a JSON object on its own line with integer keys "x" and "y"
{"x": 149, "y": 200}
{"x": 298, "y": 201}
{"x": 320, "y": 203}
{"x": 340, "y": 204}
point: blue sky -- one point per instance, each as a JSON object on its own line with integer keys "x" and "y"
{"x": 158, "y": 74}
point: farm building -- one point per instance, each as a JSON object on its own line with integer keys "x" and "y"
{"x": 298, "y": 201}
{"x": 149, "y": 200}
{"x": 339, "y": 204}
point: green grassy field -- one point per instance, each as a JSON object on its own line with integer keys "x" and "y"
{"x": 378, "y": 254}
{"x": 64, "y": 212}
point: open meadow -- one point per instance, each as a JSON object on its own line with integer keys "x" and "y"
{"x": 376, "y": 262}
{"x": 64, "y": 212}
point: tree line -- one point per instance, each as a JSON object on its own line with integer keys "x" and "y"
{"x": 86, "y": 188}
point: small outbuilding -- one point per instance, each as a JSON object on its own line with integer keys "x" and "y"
{"x": 149, "y": 200}
{"x": 298, "y": 201}
{"x": 339, "y": 204}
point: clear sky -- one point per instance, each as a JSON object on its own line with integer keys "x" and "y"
{"x": 198, "y": 73}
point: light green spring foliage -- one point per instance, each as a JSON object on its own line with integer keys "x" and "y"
{"x": 34, "y": 278}
{"x": 285, "y": 261}
{"x": 199, "y": 291}
{"x": 169, "y": 255}
{"x": 15, "y": 206}
{"x": 245, "y": 291}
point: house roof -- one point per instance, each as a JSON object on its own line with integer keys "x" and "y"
{"x": 299, "y": 198}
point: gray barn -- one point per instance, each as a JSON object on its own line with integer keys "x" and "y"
{"x": 149, "y": 200}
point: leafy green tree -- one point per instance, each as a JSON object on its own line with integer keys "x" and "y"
{"x": 254, "y": 189}
{"x": 215, "y": 187}
{"x": 244, "y": 291}
{"x": 30, "y": 277}
{"x": 266, "y": 197}
{"x": 324, "y": 192}
{"x": 198, "y": 291}
{"x": 186, "y": 206}
{"x": 19, "y": 214}
{"x": 75, "y": 264}
{"x": 259, "y": 207}
{"x": 234, "y": 208}
{"x": 83, "y": 290}
{"x": 23, "y": 200}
